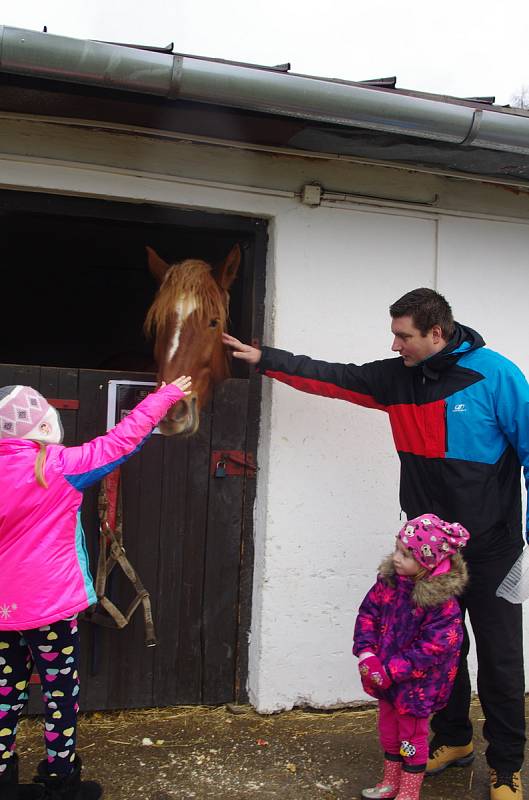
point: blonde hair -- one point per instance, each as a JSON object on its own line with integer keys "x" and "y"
{"x": 422, "y": 573}
{"x": 40, "y": 463}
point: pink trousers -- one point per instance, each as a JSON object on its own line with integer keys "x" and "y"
{"x": 402, "y": 734}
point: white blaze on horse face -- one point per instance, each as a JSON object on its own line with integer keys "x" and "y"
{"x": 184, "y": 308}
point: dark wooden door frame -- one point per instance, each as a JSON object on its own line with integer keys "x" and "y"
{"x": 75, "y": 206}
{"x": 255, "y": 232}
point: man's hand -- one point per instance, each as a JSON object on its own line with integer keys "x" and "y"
{"x": 243, "y": 351}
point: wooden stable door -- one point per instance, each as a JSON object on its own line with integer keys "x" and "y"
{"x": 189, "y": 536}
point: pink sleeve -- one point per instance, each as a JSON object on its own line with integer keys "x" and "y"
{"x": 80, "y": 463}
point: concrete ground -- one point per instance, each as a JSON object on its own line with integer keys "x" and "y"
{"x": 197, "y": 752}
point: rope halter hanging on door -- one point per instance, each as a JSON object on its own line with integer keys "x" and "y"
{"x": 112, "y": 552}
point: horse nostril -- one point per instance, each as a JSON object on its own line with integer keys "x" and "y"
{"x": 183, "y": 410}
{"x": 177, "y": 412}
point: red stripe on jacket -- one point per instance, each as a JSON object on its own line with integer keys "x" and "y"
{"x": 417, "y": 429}
{"x": 325, "y": 389}
{"x": 420, "y": 430}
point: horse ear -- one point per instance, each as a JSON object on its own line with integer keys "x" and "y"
{"x": 226, "y": 272}
{"x": 157, "y": 265}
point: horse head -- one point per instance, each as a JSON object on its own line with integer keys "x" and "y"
{"x": 187, "y": 319}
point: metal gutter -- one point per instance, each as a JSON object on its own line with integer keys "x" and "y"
{"x": 42, "y": 55}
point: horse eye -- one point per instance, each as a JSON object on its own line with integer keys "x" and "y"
{"x": 213, "y": 323}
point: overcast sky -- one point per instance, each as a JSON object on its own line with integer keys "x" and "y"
{"x": 463, "y": 49}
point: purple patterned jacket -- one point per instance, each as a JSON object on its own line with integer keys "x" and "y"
{"x": 416, "y": 630}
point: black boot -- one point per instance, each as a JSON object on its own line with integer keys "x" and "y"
{"x": 70, "y": 787}
{"x": 10, "y": 789}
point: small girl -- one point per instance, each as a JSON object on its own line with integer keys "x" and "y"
{"x": 407, "y": 637}
{"x": 44, "y": 576}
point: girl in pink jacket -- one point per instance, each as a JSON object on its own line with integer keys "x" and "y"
{"x": 408, "y": 637}
{"x": 44, "y": 575}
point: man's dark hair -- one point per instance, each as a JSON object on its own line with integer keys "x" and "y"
{"x": 426, "y": 308}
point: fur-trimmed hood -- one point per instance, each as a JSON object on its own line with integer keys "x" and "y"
{"x": 432, "y": 591}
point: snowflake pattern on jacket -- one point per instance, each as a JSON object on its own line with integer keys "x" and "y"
{"x": 416, "y": 630}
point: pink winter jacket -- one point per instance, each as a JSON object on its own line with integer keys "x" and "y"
{"x": 44, "y": 574}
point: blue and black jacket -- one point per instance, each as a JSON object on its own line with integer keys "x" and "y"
{"x": 460, "y": 423}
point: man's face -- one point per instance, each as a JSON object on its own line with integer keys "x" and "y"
{"x": 411, "y": 345}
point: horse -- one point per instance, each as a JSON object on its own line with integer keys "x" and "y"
{"x": 187, "y": 318}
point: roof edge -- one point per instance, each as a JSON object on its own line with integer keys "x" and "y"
{"x": 113, "y": 66}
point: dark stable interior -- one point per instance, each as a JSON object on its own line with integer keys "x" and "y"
{"x": 76, "y": 290}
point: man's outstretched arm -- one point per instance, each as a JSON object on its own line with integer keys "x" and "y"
{"x": 351, "y": 382}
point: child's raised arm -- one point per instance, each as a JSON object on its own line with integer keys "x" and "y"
{"x": 88, "y": 463}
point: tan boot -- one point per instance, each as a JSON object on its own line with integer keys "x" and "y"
{"x": 446, "y": 756}
{"x": 505, "y": 786}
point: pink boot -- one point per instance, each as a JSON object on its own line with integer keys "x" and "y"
{"x": 410, "y": 785}
{"x": 389, "y": 785}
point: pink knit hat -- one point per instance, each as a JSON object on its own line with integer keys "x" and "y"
{"x": 432, "y": 540}
{"x": 26, "y": 414}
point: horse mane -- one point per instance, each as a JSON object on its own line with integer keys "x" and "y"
{"x": 191, "y": 278}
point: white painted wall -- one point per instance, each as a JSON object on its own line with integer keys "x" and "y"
{"x": 327, "y": 505}
{"x": 330, "y": 508}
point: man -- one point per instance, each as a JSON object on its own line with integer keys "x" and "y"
{"x": 459, "y": 414}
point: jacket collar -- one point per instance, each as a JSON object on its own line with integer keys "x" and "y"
{"x": 433, "y": 591}
{"x": 464, "y": 340}
{"x": 9, "y": 446}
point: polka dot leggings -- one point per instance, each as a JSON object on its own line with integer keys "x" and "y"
{"x": 54, "y": 650}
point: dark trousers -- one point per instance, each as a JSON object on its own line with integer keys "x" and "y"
{"x": 497, "y": 627}
{"x": 54, "y": 650}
